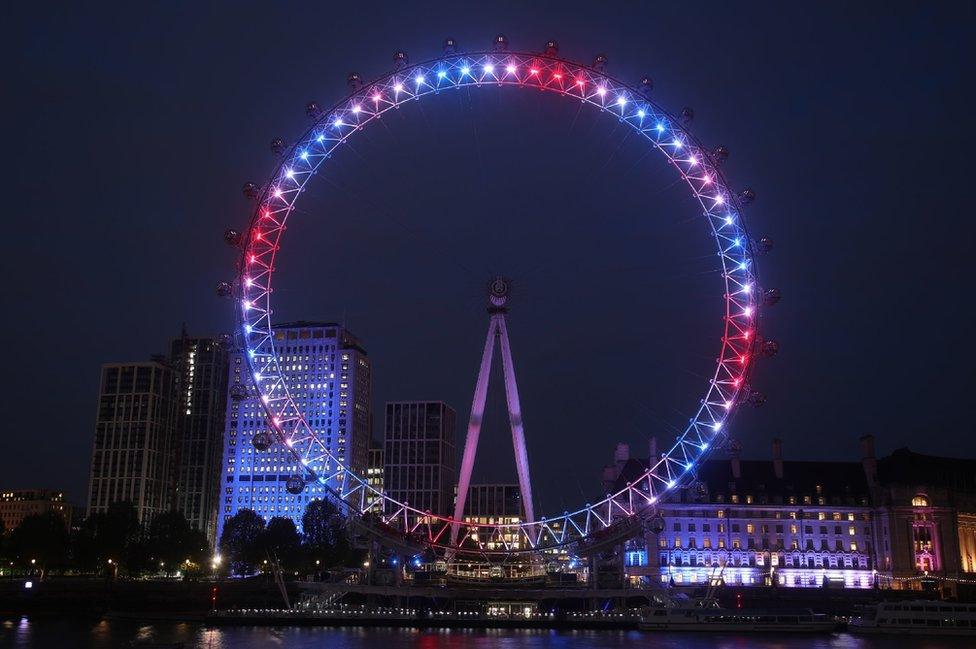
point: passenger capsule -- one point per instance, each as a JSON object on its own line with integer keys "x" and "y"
{"x": 400, "y": 59}
{"x": 261, "y": 441}
{"x": 600, "y": 62}
{"x": 238, "y": 392}
{"x": 747, "y": 197}
{"x": 277, "y": 146}
{"x": 354, "y": 81}
{"x": 295, "y": 485}
{"x": 646, "y": 86}
{"x": 250, "y": 190}
{"x": 232, "y": 237}
{"x": 312, "y": 110}
{"x": 765, "y": 245}
{"x": 224, "y": 289}
{"x": 769, "y": 348}
{"x": 687, "y": 115}
{"x": 771, "y": 296}
{"x": 655, "y": 524}
{"x": 552, "y": 48}
{"x": 500, "y": 43}
{"x": 450, "y": 46}
{"x": 720, "y": 154}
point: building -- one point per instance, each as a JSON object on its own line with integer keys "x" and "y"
{"x": 419, "y": 444}
{"x": 927, "y": 507}
{"x": 374, "y": 476}
{"x": 17, "y": 504}
{"x": 494, "y": 504}
{"x": 135, "y": 428}
{"x": 758, "y": 522}
{"x": 200, "y": 368}
{"x": 904, "y": 521}
{"x": 328, "y": 374}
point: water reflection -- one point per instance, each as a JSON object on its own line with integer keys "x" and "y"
{"x": 59, "y": 632}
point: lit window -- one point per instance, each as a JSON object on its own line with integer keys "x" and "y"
{"x": 920, "y": 501}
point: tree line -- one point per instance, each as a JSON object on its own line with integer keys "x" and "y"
{"x": 114, "y": 543}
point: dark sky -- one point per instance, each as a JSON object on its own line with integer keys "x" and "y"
{"x": 130, "y": 128}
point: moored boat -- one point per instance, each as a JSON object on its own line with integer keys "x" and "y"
{"x": 707, "y": 615}
{"x": 917, "y": 617}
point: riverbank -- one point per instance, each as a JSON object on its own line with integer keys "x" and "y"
{"x": 194, "y": 600}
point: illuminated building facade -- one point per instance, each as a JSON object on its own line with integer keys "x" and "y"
{"x": 329, "y": 376}
{"x": 793, "y": 524}
{"x": 495, "y": 503}
{"x": 200, "y": 372}
{"x": 17, "y": 504}
{"x": 928, "y": 508}
{"x": 135, "y": 428}
{"x": 374, "y": 475}
{"x": 419, "y": 445}
{"x": 894, "y": 522}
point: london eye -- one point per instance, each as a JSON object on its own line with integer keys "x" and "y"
{"x": 699, "y": 167}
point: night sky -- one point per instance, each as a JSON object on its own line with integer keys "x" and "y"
{"x": 131, "y": 127}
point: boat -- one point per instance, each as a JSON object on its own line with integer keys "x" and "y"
{"x": 678, "y": 612}
{"x": 919, "y": 617}
{"x": 709, "y": 616}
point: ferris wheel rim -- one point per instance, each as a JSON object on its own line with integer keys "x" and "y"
{"x": 676, "y": 471}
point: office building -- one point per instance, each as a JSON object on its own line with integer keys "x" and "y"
{"x": 328, "y": 375}
{"x": 496, "y": 504}
{"x": 419, "y": 444}
{"x": 374, "y": 476}
{"x": 135, "y": 429}
{"x": 200, "y": 367}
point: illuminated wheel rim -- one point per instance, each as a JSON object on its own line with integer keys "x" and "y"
{"x": 695, "y": 164}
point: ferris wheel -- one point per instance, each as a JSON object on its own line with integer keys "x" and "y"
{"x": 593, "y": 525}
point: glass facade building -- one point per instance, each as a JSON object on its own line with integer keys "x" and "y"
{"x": 328, "y": 374}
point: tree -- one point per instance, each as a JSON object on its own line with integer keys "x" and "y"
{"x": 43, "y": 539}
{"x": 239, "y": 540}
{"x": 281, "y": 541}
{"x": 118, "y": 533}
{"x": 172, "y": 540}
{"x": 326, "y": 539}
{"x": 114, "y": 535}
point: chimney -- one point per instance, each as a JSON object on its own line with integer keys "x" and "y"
{"x": 868, "y": 460}
{"x": 651, "y": 451}
{"x": 778, "y": 458}
{"x": 610, "y": 474}
{"x": 736, "y": 464}
{"x": 620, "y": 456}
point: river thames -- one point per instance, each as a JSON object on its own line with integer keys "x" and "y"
{"x": 62, "y": 633}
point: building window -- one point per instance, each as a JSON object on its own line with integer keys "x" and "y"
{"x": 920, "y": 501}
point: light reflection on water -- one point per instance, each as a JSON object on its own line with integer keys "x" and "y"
{"x": 59, "y": 632}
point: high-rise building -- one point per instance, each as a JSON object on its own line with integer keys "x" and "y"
{"x": 328, "y": 375}
{"x": 374, "y": 476}
{"x": 17, "y": 504}
{"x": 134, "y": 434}
{"x": 200, "y": 372}
{"x": 420, "y": 454}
